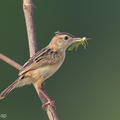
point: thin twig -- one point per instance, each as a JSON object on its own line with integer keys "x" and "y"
{"x": 32, "y": 46}
{"x": 28, "y": 7}
{"x": 49, "y": 110}
{"x": 10, "y": 61}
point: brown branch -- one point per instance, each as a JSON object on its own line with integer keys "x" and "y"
{"x": 49, "y": 110}
{"x": 28, "y": 8}
{"x": 10, "y": 61}
{"x": 28, "y": 11}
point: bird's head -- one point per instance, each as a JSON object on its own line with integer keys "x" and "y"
{"x": 62, "y": 40}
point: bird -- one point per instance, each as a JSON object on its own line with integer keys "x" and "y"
{"x": 43, "y": 64}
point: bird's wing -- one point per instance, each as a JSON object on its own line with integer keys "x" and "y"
{"x": 43, "y": 57}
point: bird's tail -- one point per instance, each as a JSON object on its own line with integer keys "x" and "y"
{"x": 9, "y": 89}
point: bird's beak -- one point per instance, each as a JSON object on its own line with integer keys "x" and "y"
{"x": 77, "y": 39}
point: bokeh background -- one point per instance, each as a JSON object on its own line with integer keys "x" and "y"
{"x": 87, "y": 86}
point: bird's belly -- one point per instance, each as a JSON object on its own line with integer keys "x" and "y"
{"x": 45, "y": 72}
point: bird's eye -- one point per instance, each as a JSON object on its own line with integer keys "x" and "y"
{"x": 66, "y": 37}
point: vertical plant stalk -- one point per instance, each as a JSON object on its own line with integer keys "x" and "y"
{"x": 28, "y": 8}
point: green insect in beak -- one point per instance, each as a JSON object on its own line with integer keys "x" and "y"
{"x": 82, "y": 41}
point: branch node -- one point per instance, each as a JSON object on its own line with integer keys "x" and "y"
{"x": 28, "y": 5}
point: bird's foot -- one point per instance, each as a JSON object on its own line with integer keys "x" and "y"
{"x": 51, "y": 103}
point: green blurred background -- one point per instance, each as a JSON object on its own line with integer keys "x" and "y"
{"x": 87, "y": 86}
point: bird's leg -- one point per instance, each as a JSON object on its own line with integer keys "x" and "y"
{"x": 39, "y": 87}
{"x": 43, "y": 83}
{"x": 50, "y": 102}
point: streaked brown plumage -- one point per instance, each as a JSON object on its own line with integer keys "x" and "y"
{"x": 44, "y": 63}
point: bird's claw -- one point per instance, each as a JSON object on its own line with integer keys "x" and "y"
{"x": 49, "y": 103}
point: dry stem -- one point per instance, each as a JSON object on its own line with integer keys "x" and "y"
{"x": 29, "y": 18}
{"x": 28, "y": 8}
{"x": 10, "y": 61}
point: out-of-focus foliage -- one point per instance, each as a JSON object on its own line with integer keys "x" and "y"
{"x": 87, "y": 86}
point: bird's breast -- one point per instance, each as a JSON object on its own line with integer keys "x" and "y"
{"x": 45, "y": 72}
